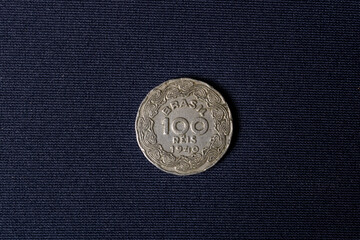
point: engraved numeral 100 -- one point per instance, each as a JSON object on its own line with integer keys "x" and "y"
{"x": 181, "y": 126}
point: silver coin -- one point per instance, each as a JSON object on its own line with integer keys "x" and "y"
{"x": 183, "y": 126}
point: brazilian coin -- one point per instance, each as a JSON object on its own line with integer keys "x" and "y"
{"x": 183, "y": 126}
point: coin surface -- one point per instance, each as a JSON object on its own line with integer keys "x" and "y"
{"x": 183, "y": 126}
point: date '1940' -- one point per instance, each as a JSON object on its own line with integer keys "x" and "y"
{"x": 185, "y": 149}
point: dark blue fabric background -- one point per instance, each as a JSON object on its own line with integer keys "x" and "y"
{"x": 72, "y": 75}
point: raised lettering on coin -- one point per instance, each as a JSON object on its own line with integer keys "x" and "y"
{"x": 183, "y": 126}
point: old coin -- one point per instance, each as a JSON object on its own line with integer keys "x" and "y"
{"x": 183, "y": 126}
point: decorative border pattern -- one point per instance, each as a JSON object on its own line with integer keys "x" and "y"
{"x": 212, "y": 152}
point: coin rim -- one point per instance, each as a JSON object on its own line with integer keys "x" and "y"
{"x": 196, "y": 171}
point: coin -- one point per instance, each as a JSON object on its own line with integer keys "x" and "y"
{"x": 183, "y": 126}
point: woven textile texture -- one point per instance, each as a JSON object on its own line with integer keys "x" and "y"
{"x": 73, "y": 74}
